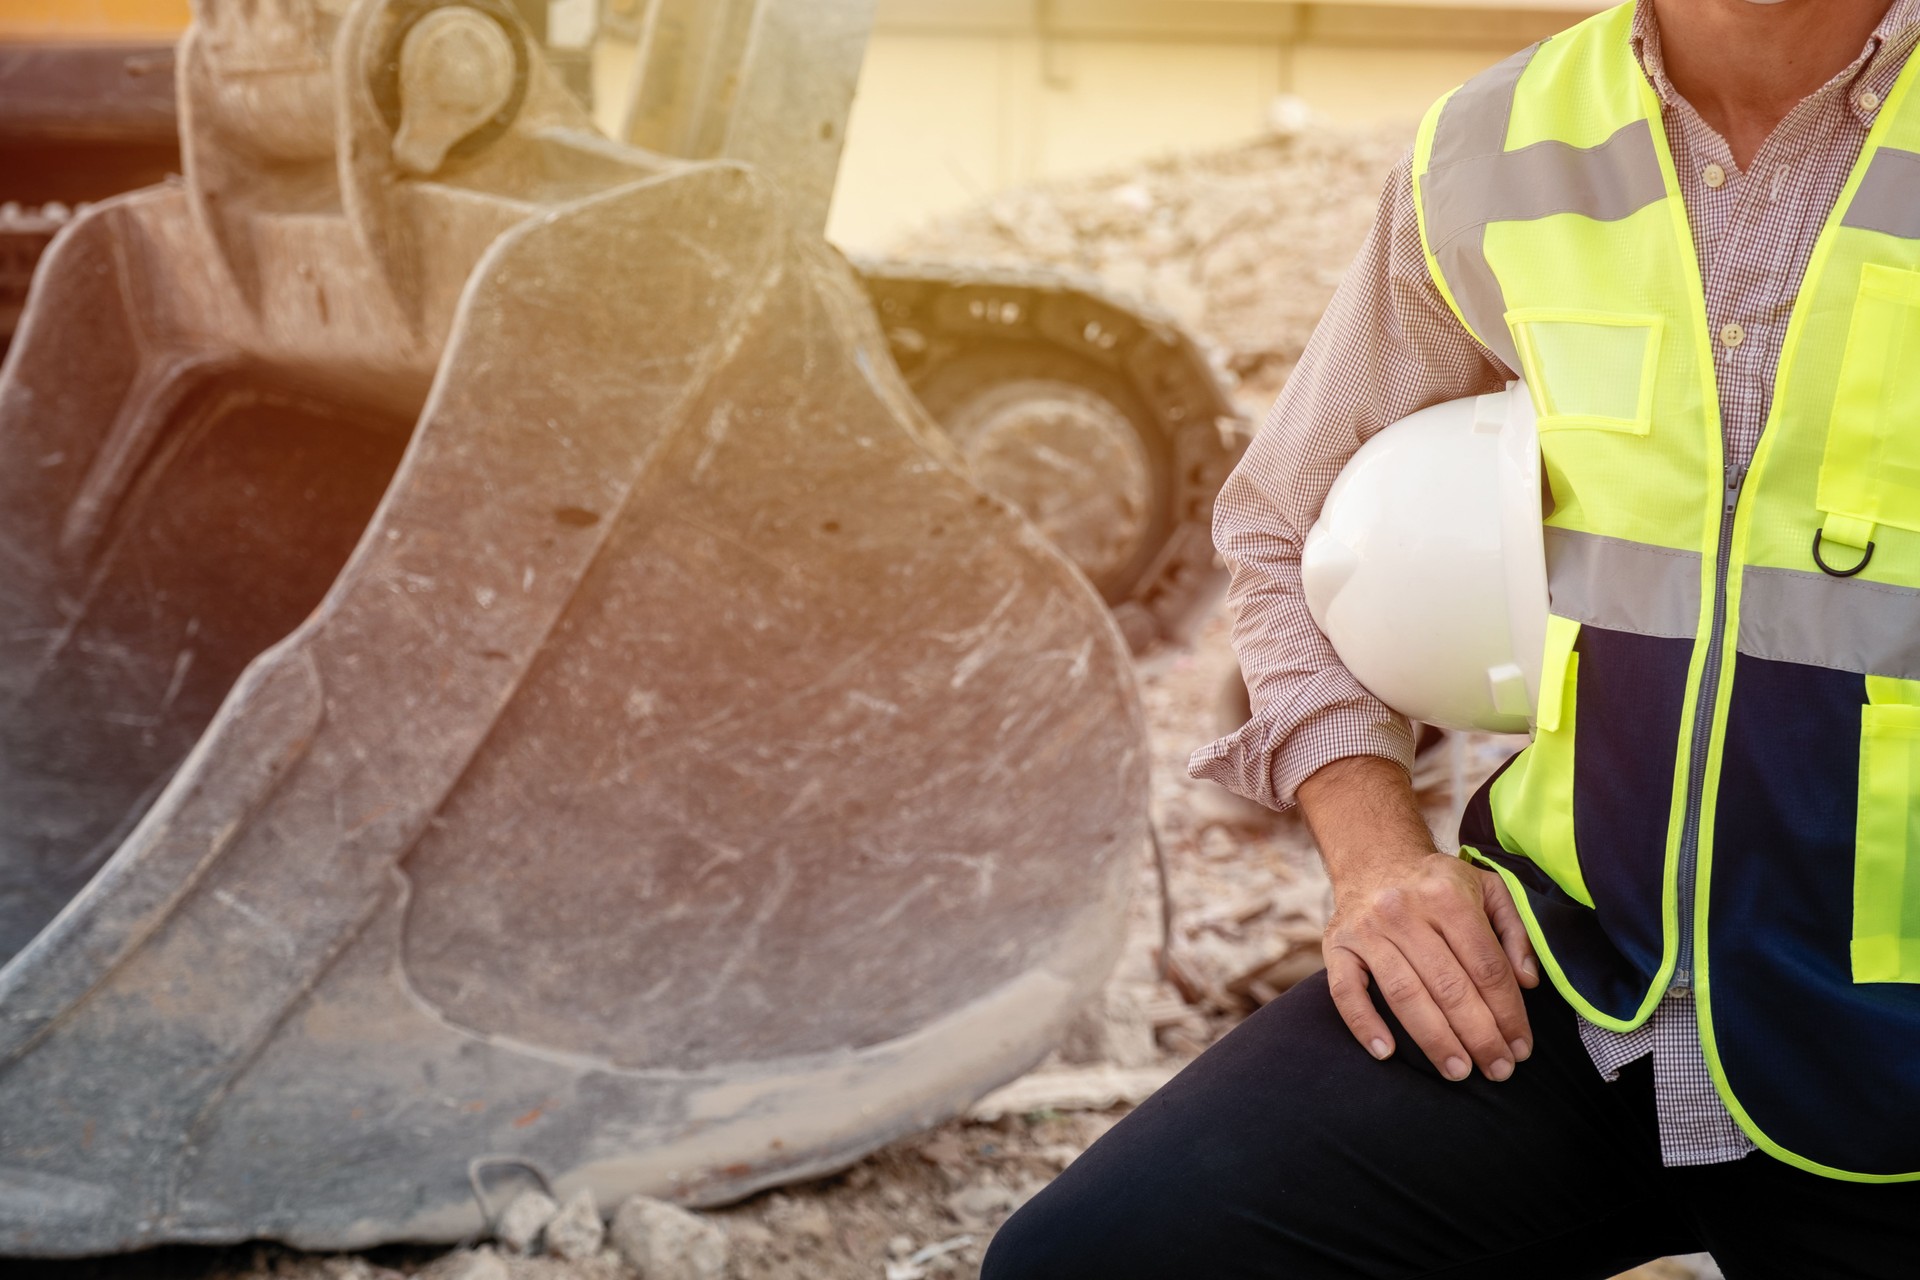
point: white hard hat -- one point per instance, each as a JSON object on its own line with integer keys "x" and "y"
{"x": 1427, "y": 568}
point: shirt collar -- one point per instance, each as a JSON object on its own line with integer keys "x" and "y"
{"x": 1897, "y": 31}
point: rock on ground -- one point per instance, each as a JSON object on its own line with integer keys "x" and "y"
{"x": 481, "y": 1264}
{"x": 665, "y": 1242}
{"x": 576, "y": 1232}
{"x": 523, "y": 1220}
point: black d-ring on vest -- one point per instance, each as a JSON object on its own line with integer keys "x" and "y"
{"x": 1839, "y": 573}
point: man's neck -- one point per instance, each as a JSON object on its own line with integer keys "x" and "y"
{"x": 1744, "y": 66}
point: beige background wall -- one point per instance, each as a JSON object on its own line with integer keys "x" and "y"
{"x": 961, "y": 98}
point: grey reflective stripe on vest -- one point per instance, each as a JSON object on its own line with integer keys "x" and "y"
{"x": 1847, "y": 624}
{"x": 1619, "y": 177}
{"x": 1476, "y": 118}
{"x": 1473, "y": 180}
{"x": 1623, "y": 586}
{"x": 1885, "y": 200}
{"x": 1473, "y": 124}
{"x": 1786, "y": 615}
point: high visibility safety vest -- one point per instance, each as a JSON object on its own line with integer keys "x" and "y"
{"x": 1724, "y": 790}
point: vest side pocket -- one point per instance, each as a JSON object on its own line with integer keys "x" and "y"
{"x": 1591, "y": 369}
{"x": 1532, "y": 801}
{"x": 1870, "y": 470}
{"x": 1886, "y": 874}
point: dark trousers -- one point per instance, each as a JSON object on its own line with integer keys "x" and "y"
{"x": 1286, "y": 1151}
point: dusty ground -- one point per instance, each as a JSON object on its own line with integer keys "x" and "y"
{"x": 1246, "y": 246}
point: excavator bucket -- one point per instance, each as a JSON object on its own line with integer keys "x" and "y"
{"x": 496, "y": 666}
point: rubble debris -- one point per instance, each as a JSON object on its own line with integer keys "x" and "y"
{"x": 524, "y": 1220}
{"x": 479, "y": 1264}
{"x": 665, "y": 1242}
{"x": 946, "y": 1150}
{"x": 799, "y": 1219}
{"x": 1116, "y": 1029}
{"x": 1245, "y": 245}
{"x": 576, "y": 1232}
{"x": 354, "y": 1268}
{"x": 1266, "y": 982}
{"x": 982, "y": 1205}
{"x": 1098, "y": 1088}
{"x": 914, "y": 1267}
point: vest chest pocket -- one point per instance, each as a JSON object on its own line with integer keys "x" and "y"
{"x": 1886, "y": 868}
{"x": 1870, "y": 471}
{"x": 1591, "y": 369}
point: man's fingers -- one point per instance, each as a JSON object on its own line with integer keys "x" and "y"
{"x": 1485, "y": 962}
{"x": 1347, "y": 983}
{"x": 1458, "y": 996}
{"x": 1408, "y": 997}
{"x": 1511, "y": 928}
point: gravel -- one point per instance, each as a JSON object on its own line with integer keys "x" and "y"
{"x": 664, "y": 1242}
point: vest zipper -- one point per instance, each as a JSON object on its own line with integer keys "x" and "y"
{"x": 1703, "y": 728}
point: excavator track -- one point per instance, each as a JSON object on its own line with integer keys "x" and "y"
{"x": 1108, "y": 424}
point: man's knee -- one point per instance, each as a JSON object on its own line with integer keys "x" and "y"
{"x": 1128, "y": 1209}
{"x": 1039, "y": 1242}
{"x": 1011, "y": 1255}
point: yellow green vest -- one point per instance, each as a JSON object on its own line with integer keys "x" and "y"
{"x": 1722, "y": 792}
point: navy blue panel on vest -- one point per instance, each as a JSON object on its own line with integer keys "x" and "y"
{"x": 1632, "y": 693}
{"x": 1476, "y": 820}
{"x": 1589, "y": 959}
{"x": 1824, "y": 1066}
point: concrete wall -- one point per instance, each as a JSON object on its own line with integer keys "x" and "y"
{"x": 91, "y": 19}
{"x": 963, "y": 98}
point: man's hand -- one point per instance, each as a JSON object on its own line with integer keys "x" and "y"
{"x": 1441, "y": 937}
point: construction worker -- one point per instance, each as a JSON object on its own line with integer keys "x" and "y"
{"x": 1666, "y": 1002}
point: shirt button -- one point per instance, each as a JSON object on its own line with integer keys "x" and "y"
{"x": 1714, "y": 176}
{"x": 1869, "y": 101}
{"x": 1731, "y": 336}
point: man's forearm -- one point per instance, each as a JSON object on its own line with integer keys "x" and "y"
{"x": 1441, "y": 939}
{"x": 1362, "y": 811}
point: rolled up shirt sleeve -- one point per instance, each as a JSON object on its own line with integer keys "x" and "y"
{"x": 1387, "y": 346}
